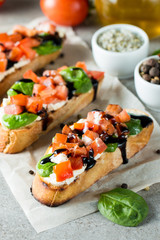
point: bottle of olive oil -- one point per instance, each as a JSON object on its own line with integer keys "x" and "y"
{"x": 142, "y": 13}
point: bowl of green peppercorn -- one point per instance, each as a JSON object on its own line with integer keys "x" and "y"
{"x": 147, "y": 82}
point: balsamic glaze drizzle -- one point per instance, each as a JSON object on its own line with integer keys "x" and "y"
{"x": 10, "y": 64}
{"x": 95, "y": 87}
{"x": 90, "y": 160}
{"x": 145, "y": 120}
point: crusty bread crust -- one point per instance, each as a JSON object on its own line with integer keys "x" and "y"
{"x": 37, "y": 63}
{"x": 53, "y": 196}
{"x": 13, "y": 141}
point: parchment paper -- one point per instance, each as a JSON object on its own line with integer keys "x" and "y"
{"x": 141, "y": 171}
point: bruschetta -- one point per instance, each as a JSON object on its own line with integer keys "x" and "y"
{"x": 27, "y": 49}
{"x": 35, "y": 105}
{"x": 88, "y": 150}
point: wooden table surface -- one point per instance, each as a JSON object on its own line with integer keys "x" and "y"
{"x": 13, "y": 222}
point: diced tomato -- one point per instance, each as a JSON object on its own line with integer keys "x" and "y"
{"x": 2, "y": 55}
{"x": 15, "y": 54}
{"x": 79, "y": 126}
{"x": 3, "y": 64}
{"x": 48, "y": 82}
{"x": 113, "y": 109}
{"x": 34, "y": 104}
{"x": 94, "y": 116}
{"x": 63, "y": 171}
{"x": 106, "y": 126}
{"x": 71, "y": 145}
{"x": 61, "y": 138}
{"x": 92, "y": 135}
{"x": 76, "y": 162}
{"x": 29, "y": 42}
{"x": 3, "y": 37}
{"x": 96, "y": 74}
{"x": 19, "y": 99}
{"x": 81, "y": 151}
{"x": 61, "y": 68}
{"x": 2, "y": 48}
{"x": 123, "y": 116}
{"x": 31, "y": 75}
{"x": 46, "y": 27}
{"x": 93, "y": 127}
{"x": 28, "y": 52}
{"x": 13, "y": 109}
{"x": 98, "y": 146}
{"x": 49, "y": 73}
{"x": 37, "y": 88}
{"x": 62, "y": 92}
{"x": 24, "y": 31}
{"x": 58, "y": 80}
{"x": 16, "y": 37}
{"x": 82, "y": 65}
{"x": 48, "y": 95}
{"x": 66, "y": 130}
{"x": 8, "y": 45}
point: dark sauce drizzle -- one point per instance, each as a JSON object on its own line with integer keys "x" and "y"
{"x": 44, "y": 115}
{"x": 48, "y": 159}
{"x": 90, "y": 162}
{"x": 56, "y": 39}
{"x": 95, "y": 87}
{"x": 10, "y": 64}
{"x": 145, "y": 120}
{"x": 26, "y": 80}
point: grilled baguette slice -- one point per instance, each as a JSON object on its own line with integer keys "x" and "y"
{"x": 51, "y": 195}
{"x": 13, "y": 141}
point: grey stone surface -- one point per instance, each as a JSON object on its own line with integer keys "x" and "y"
{"x": 13, "y": 222}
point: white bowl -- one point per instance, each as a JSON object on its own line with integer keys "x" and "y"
{"x": 148, "y": 92}
{"x": 120, "y": 64}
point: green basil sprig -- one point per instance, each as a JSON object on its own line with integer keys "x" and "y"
{"x": 111, "y": 147}
{"x": 17, "y": 121}
{"x": 124, "y": 207}
{"x": 47, "y": 48}
{"x": 134, "y": 126}
{"x": 23, "y": 87}
{"x": 81, "y": 82}
{"x": 45, "y": 169}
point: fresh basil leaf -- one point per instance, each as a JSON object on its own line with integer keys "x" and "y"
{"x": 47, "y": 48}
{"x": 157, "y": 52}
{"x": 134, "y": 126}
{"x": 124, "y": 207}
{"x": 111, "y": 147}
{"x": 22, "y": 87}
{"x": 17, "y": 121}
{"x": 44, "y": 170}
{"x": 43, "y": 34}
{"x": 81, "y": 82}
{"x": 11, "y": 92}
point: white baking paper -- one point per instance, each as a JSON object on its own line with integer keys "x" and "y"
{"x": 141, "y": 171}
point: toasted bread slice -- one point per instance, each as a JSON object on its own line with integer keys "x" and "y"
{"x": 51, "y": 195}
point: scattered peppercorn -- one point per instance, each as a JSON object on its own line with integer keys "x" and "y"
{"x": 158, "y": 151}
{"x": 124, "y": 185}
{"x": 61, "y": 55}
{"x": 150, "y": 71}
{"x": 31, "y": 172}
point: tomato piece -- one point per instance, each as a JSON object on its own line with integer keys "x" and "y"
{"x": 58, "y": 80}
{"x": 68, "y": 13}
{"x": 96, "y": 74}
{"x": 62, "y": 68}
{"x": 81, "y": 151}
{"x": 49, "y": 73}
{"x": 31, "y": 75}
{"x": 2, "y": 48}
{"x": 92, "y": 135}
{"x": 29, "y": 42}
{"x": 94, "y": 116}
{"x": 48, "y": 95}
{"x": 98, "y": 146}
{"x": 79, "y": 126}
{"x": 76, "y": 163}
{"x": 66, "y": 130}
{"x": 13, "y": 109}
{"x": 48, "y": 82}
{"x": 93, "y": 127}
{"x": 19, "y": 99}
{"x": 82, "y": 65}
{"x": 58, "y": 145}
{"x": 46, "y": 27}
{"x": 71, "y": 145}
{"x": 106, "y": 126}
{"x": 61, "y": 138}
{"x": 8, "y": 45}
{"x": 123, "y": 116}
{"x": 63, "y": 171}
{"x": 1, "y": 2}
{"x": 113, "y": 109}
{"x": 28, "y": 52}
{"x": 62, "y": 92}
{"x": 37, "y": 88}
{"x": 24, "y": 31}
{"x": 15, "y": 37}
{"x": 34, "y": 104}
{"x": 4, "y": 37}
{"x": 3, "y": 65}
{"x": 15, "y": 54}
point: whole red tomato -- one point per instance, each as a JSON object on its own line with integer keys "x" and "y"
{"x": 65, "y": 12}
{"x": 1, "y": 2}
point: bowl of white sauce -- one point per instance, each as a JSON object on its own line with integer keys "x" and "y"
{"x": 118, "y": 48}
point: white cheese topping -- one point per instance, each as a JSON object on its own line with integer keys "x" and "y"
{"x": 97, "y": 117}
{"x": 12, "y": 69}
{"x": 54, "y": 106}
{"x": 61, "y": 157}
{"x": 86, "y": 140}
